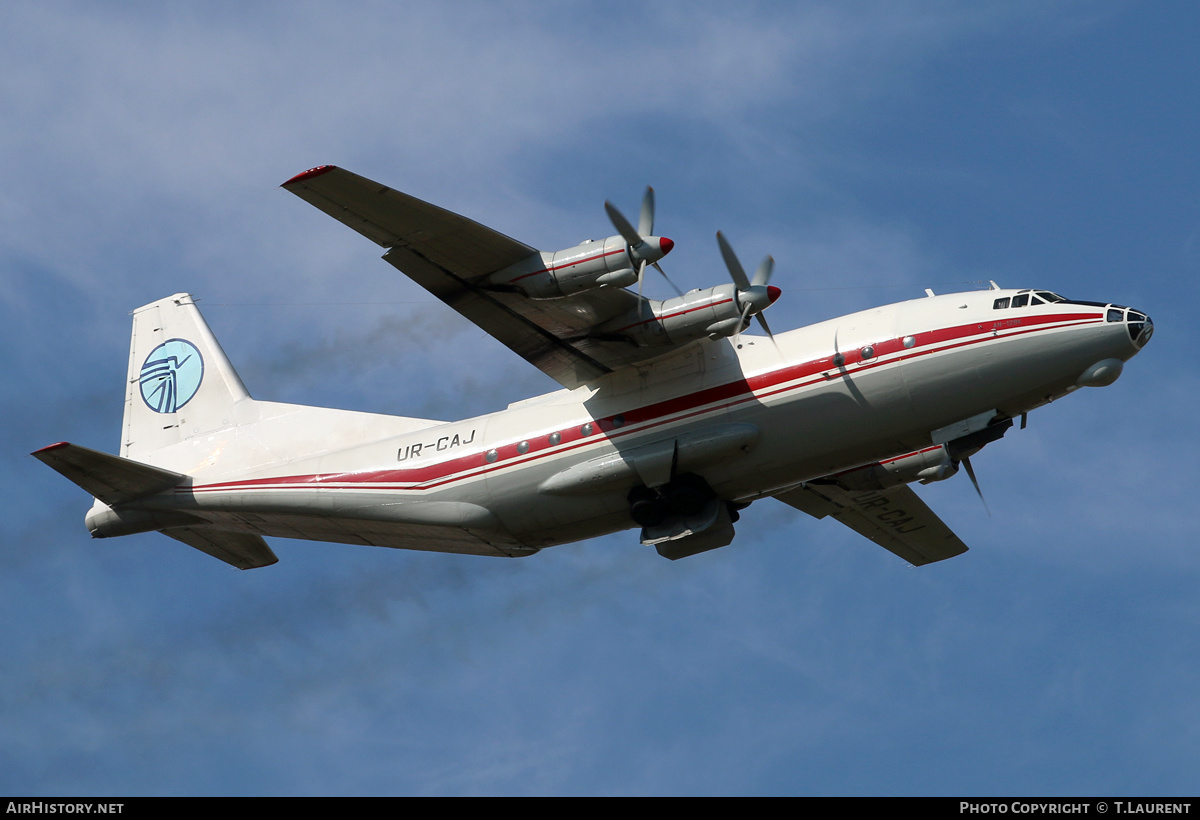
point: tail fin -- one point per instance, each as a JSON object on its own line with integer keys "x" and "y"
{"x": 180, "y": 383}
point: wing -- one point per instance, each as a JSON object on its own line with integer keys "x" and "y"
{"x": 452, "y": 256}
{"x": 894, "y": 518}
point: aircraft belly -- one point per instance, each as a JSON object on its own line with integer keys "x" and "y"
{"x": 380, "y": 518}
{"x": 369, "y": 504}
{"x": 370, "y": 533}
{"x": 588, "y": 521}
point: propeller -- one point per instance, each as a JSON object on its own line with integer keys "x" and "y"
{"x": 639, "y": 249}
{"x": 754, "y": 295}
{"x": 646, "y": 218}
{"x": 966, "y": 462}
{"x": 961, "y": 449}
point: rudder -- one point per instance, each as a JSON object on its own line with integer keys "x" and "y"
{"x": 180, "y": 383}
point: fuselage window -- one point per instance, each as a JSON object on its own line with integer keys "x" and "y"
{"x": 1000, "y": 304}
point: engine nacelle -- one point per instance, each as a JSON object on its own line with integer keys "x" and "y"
{"x": 925, "y": 466}
{"x": 709, "y": 312}
{"x": 593, "y": 264}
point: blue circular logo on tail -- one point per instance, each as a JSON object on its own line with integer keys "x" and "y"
{"x": 171, "y": 375}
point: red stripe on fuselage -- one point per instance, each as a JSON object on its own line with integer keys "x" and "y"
{"x": 669, "y": 411}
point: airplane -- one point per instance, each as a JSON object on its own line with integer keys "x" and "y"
{"x": 671, "y": 418}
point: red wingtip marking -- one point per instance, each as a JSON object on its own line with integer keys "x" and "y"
{"x": 665, "y": 245}
{"x": 773, "y": 293}
{"x": 51, "y": 447}
{"x": 309, "y": 174}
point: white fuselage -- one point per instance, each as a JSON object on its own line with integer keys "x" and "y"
{"x": 752, "y": 416}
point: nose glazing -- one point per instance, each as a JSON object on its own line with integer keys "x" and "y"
{"x": 1141, "y": 328}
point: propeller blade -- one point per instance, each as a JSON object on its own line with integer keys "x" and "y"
{"x": 646, "y": 221}
{"x": 758, "y": 287}
{"x": 763, "y": 275}
{"x": 631, "y": 237}
{"x": 966, "y": 462}
{"x": 762, "y": 321}
{"x": 743, "y": 322}
{"x": 731, "y": 261}
{"x": 658, "y": 268}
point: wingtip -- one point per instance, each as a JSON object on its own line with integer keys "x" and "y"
{"x": 49, "y": 447}
{"x": 309, "y": 174}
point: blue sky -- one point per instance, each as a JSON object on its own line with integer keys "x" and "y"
{"x": 874, "y": 148}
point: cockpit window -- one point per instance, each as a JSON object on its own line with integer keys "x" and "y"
{"x": 1140, "y": 327}
{"x": 1027, "y": 297}
{"x": 1115, "y": 315}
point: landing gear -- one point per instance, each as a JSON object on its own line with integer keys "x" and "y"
{"x": 682, "y": 517}
{"x": 646, "y": 507}
{"x": 685, "y": 496}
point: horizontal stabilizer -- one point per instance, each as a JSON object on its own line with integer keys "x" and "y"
{"x": 895, "y": 519}
{"x": 238, "y": 549}
{"x": 112, "y": 479}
